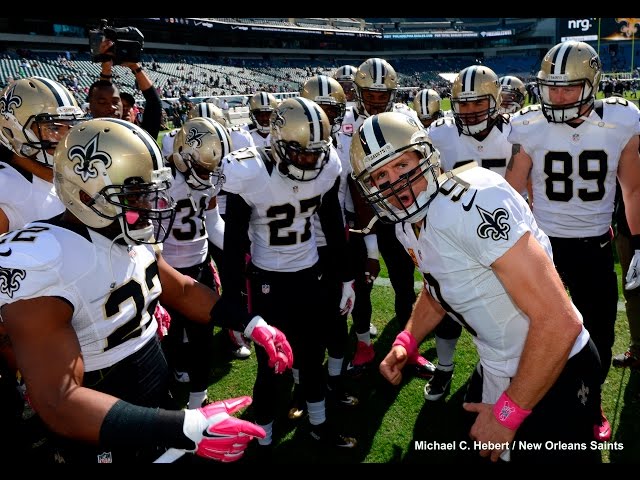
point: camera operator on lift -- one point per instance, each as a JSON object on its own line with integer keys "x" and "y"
{"x": 104, "y": 96}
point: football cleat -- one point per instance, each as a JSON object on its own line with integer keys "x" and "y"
{"x": 325, "y": 435}
{"x": 630, "y": 359}
{"x": 422, "y": 368}
{"x": 439, "y": 384}
{"x": 362, "y": 360}
{"x": 602, "y": 430}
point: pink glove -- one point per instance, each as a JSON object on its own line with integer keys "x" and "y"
{"x": 218, "y": 435}
{"x": 273, "y": 341}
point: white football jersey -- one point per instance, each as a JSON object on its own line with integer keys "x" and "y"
{"x": 281, "y": 226}
{"x": 348, "y": 122}
{"x": 240, "y": 138}
{"x": 186, "y": 244}
{"x": 474, "y": 220}
{"x": 79, "y": 265}
{"x": 167, "y": 142}
{"x": 574, "y": 169}
{"x": 342, "y": 157}
{"x": 456, "y": 149}
{"x": 259, "y": 140}
{"x": 25, "y": 197}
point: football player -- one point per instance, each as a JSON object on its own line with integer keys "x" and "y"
{"x": 513, "y": 94}
{"x": 476, "y": 132}
{"x": 427, "y": 104}
{"x": 261, "y": 105}
{"x": 78, "y": 298}
{"x": 272, "y": 197}
{"x": 572, "y": 147}
{"x": 346, "y": 75}
{"x": 487, "y": 264}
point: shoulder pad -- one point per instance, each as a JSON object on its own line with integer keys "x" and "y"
{"x": 613, "y": 100}
{"x": 9, "y": 183}
{"x": 242, "y": 170}
{"x": 31, "y": 247}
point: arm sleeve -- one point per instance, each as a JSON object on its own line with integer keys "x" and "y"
{"x": 330, "y": 214}
{"x": 152, "y": 117}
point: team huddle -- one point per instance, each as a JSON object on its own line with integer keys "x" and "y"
{"x": 242, "y": 227}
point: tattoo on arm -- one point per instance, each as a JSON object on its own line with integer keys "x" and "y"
{"x": 515, "y": 149}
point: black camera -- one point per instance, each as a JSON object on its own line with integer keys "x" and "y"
{"x": 128, "y": 43}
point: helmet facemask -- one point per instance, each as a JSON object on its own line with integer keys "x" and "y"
{"x": 292, "y": 165}
{"x": 563, "y": 113}
{"x": 475, "y": 122}
{"x": 197, "y": 176}
{"x": 374, "y": 101}
{"x": 145, "y": 211}
{"x": 512, "y": 100}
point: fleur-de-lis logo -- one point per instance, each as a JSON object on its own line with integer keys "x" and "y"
{"x": 87, "y": 157}
{"x": 493, "y": 224}
{"x": 582, "y": 394}
{"x": 505, "y": 411}
{"x": 629, "y": 26}
{"x": 10, "y": 280}
{"x": 10, "y": 101}
{"x": 278, "y": 119}
{"x": 194, "y": 138}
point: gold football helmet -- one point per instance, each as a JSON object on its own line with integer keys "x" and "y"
{"x": 474, "y": 84}
{"x": 208, "y": 110}
{"x": 380, "y": 140}
{"x": 346, "y": 76}
{"x": 300, "y": 139}
{"x": 262, "y": 102}
{"x": 513, "y": 94}
{"x": 426, "y": 103}
{"x": 35, "y": 114}
{"x": 567, "y": 64}
{"x": 199, "y": 147}
{"x": 107, "y": 169}
{"x": 327, "y": 93}
{"x": 376, "y": 86}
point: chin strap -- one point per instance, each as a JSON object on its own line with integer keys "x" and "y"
{"x": 366, "y": 230}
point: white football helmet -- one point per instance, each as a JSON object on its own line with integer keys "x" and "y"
{"x": 107, "y": 169}
{"x": 199, "y": 147}
{"x": 472, "y": 84}
{"x": 376, "y": 86}
{"x": 35, "y": 114}
{"x": 300, "y": 139}
{"x": 513, "y": 94}
{"x": 567, "y": 64}
{"x": 381, "y": 139}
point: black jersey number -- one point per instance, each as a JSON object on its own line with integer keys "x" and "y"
{"x": 189, "y": 221}
{"x": 562, "y": 176}
{"x": 134, "y": 291}
{"x": 434, "y": 290}
{"x": 487, "y": 163}
{"x": 284, "y": 216}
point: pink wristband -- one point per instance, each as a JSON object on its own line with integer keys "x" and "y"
{"x": 408, "y": 341}
{"x": 508, "y": 413}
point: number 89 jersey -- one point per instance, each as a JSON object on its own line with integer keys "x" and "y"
{"x": 79, "y": 265}
{"x": 574, "y": 169}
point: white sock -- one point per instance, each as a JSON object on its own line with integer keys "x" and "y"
{"x": 196, "y": 399}
{"x": 296, "y": 375}
{"x": 364, "y": 337}
{"x": 445, "y": 349}
{"x": 316, "y": 412}
{"x": 334, "y": 366}
{"x": 268, "y": 428}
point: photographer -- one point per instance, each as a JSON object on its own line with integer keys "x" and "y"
{"x": 153, "y": 107}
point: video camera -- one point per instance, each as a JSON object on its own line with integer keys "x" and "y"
{"x": 127, "y": 46}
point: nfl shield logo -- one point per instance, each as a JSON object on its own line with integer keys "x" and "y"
{"x": 575, "y": 138}
{"x": 266, "y": 288}
{"x": 105, "y": 458}
{"x": 295, "y": 189}
{"x": 480, "y": 148}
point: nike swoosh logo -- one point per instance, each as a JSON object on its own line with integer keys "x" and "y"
{"x": 602, "y": 245}
{"x": 468, "y": 206}
{"x": 206, "y": 433}
{"x": 233, "y": 404}
{"x": 5, "y": 254}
